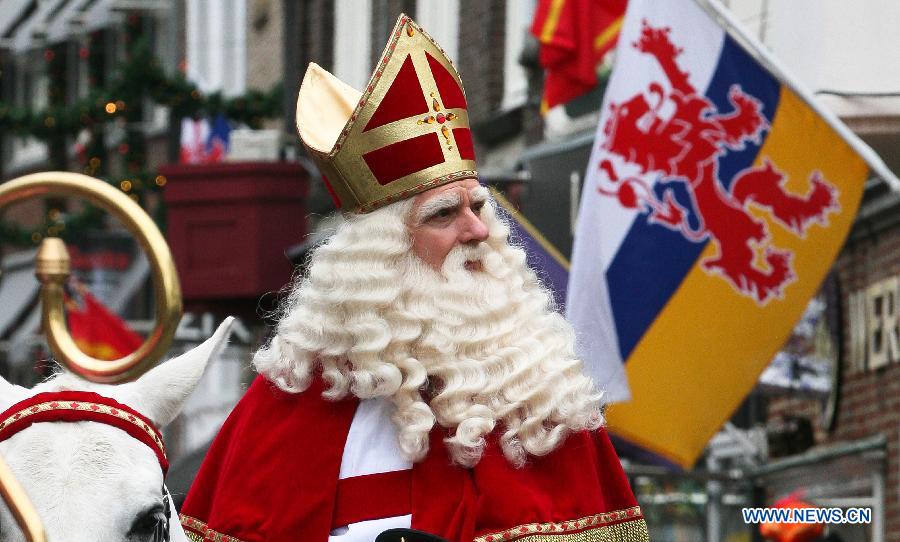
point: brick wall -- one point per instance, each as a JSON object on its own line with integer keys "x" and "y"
{"x": 779, "y": 408}
{"x": 870, "y": 399}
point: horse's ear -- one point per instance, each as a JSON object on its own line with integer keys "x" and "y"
{"x": 162, "y": 391}
{"x": 11, "y": 393}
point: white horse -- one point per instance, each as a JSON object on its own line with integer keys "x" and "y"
{"x": 91, "y": 480}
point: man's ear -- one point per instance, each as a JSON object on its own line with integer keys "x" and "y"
{"x": 161, "y": 392}
{"x": 11, "y": 394}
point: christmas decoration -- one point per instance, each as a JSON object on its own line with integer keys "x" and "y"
{"x": 115, "y": 100}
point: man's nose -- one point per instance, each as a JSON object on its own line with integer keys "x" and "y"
{"x": 473, "y": 229}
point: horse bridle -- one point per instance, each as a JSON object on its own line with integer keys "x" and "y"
{"x": 82, "y": 406}
{"x": 161, "y": 534}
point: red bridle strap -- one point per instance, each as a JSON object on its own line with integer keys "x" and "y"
{"x": 82, "y": 406}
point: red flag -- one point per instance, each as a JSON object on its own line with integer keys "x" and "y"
{"x": 97, "y": 331}
{"x": 575, "y": 35}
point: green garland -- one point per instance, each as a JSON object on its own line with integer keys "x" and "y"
{"x": 140, "y": 73}
{"x": 120, "y": 100}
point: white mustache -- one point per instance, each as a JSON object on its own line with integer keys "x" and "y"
{"x": 459, "y": 255}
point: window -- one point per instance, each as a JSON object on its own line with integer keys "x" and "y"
{"x": 515, "y": 79}
{"x": 216, "y": 45}
{"x": 441, "y": 20}
{"x": 353, "y": 22}
{"x": 29, "y": 90}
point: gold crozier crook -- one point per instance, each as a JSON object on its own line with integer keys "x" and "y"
{"x": 52, "y": 269}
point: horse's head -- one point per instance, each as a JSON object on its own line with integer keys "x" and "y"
{"x": 92, "y": 481}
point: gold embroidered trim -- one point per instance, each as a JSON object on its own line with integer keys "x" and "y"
{"x": 87, "y": 406}
{"x": 630, "y": 531}
{"x": 392, "y": 44}
{"x": 596, "y": 528}
{"x": 620, "y": 525}
{"x": 373, "y": 81}
{"x": 197, "y": 527}
{"x": 418, "y": 189}
{"x": 345, "y": 165}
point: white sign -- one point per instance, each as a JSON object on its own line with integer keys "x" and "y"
{"x": 875, "y": 325}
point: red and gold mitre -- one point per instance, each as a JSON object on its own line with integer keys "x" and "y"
{"x": 406, "y": 133}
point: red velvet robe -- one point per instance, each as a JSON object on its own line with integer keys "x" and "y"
{"x": 272, "y": 475}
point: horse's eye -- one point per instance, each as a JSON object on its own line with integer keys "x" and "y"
{"x": 150, "y": 526}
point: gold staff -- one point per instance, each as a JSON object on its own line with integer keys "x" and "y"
{"x": 20, "y": 505}
{"x": 52, "y": 269}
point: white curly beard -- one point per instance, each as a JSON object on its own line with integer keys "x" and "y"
{"x": 465, "y": 349}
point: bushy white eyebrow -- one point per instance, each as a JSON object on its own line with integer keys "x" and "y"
{"x": 449, "y": 200}
{"x": 479, "y": 194}
{"x": 436, "y": 205}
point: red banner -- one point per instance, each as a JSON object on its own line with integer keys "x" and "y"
{"x": 575, "y": 35}
{"x": 97, "y": 331}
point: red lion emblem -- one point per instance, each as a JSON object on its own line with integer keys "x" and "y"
{"x": 684, "y": 147}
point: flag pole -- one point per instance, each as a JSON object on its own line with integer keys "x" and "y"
{"x": 758, "y": 50}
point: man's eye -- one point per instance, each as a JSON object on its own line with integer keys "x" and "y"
{"x": 477, "y": 207}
